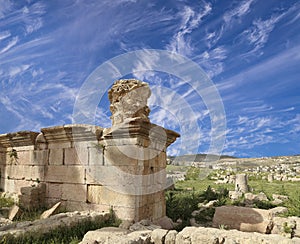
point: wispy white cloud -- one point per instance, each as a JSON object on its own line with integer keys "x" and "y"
{"x": 18, "y": 69}
{"x": 5, "y": 7}
{"x": 258, "y": 33}
{"x": 4, "y": 35}
{"x": 242, "y": 9}
{"x": 11, "y": 43}
{"x": 223, "y": 24}
{"x": 264, "y": 69}
{"x": 249, "y": 131}
{"x": 213, "y": 60}
{"x": 190, "y": 20}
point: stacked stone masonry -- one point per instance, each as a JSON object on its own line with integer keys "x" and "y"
{"x": 91, "y": 168}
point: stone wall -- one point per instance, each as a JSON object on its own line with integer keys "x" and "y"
{"x": 88, "y": 167}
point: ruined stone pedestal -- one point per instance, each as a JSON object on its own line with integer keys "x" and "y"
{"x": 136, "y": 149}
{"x": 241, "y": 183}
{"x": 136, "y": 152}
{"x": 86, "y": 167}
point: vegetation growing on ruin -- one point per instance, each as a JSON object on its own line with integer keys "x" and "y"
{"x": 6, "y": 202}
{"x": 63, "y": 235}
{"x": 181, "y": 204}
{"x": 195, "y": 189}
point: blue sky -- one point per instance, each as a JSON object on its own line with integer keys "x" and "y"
{"x": 249, "y": 49}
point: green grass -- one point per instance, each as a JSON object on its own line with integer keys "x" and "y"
{"x": 176, "y": 168}
{"x": 200, "y": 185}
{"x": 6, "y": 202}
{"x": 181, "y": 204}
{"x": 62, "y": 235}
{"x": 275, "y": 187}
{"x": 290, "y": 189}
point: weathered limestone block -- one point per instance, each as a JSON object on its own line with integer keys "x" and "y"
{"x": 211, "y": 235}
{"x": 184, "y": 236}
{"x": 24, "y": 172}
{"x": 41, "y": 157}
{"x": 94, "y": 193}
{"x": 171, "y": 237}
{"x": 158, "y": 236}
{"x": 65, "y": 174}
{"x": 14, "y": 186}
{"x": 14, "y": 212}
{"x": 241, "y": 183}
{"x": 46, "y": 214}
{"x": 77, "y": 155}
{"x": 124, "y": 179}
{"x": 33, "y": 197}
{"x": 40, "y": 142}
{"x": 18, "y": 139}
{"x": 54, "y": 190}
{"x": 235, "y": 195}
{"x": 123, "y": 155}
{"x": 159, "y": 210}
{"x": 270, "y": 178}
{"x": 24, "y": 157}
{"x": 96, "y": 156}
{"x": 244, "y": 219}
{"x": 297, "y": 229}
{"x": 283, "y": 226}
{"x": 104, "y": 195}
{"x": 74, "y": 192}
{"x": 128, "y": 99}
{"x": 56, "y": 156}
{"x": 105, "y": 235}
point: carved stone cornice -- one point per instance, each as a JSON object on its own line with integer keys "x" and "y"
{"x": 71, "y": 133}
{"x": 18, "y": 139}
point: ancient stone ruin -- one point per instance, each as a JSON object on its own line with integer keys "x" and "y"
{"x": 87, "y": 167}
{"x": 241, "y": 183}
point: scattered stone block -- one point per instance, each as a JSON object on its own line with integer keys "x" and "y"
{"x": 262, "y": 197}
{"x": 241, "y": 183}
{"x": 283, "y": 226}
{"x": 158, "y": 236}
{"x": 243, "y": 218}
{"x": 50, "y": 211}
{"x": 33, "y": 197}
{"x": 234, "y": 195}
{"x": 280, "y": 197}
{"x": 171, "y": 237}
{"x": 14, "y": 213}
{"x": 144, "y": 224}
{"x": 165, "y": 223}
{"x": 278, "y": 210}
{"x": 105, "y": 235}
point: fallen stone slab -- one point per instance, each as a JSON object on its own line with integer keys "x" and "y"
{"x": 61, "y": 220}
{"x": 243, "y": 218}
{"x": 50, "y": 211}
{"x": 15, "y": 212}
{"x": 108, "y": 235}
{"x": 158, "y": 236}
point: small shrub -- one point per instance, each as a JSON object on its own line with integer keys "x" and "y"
{"x": 205, "y": 215}
{"x": 287, "y": 229}
{"x": 209, "y": 194}
{"x": 293, "y": 205}
{"x": 192, "y": 173}
{"x": 223, "y": 227}
{"x": 264, "y": 204}
{"x": 180, "y": 205}
{"x": 6, "y": 202}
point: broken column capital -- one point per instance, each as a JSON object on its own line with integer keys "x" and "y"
{"x": 128, "y": 100}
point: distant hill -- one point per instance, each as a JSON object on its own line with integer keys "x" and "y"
{"x": 198, "y": 157}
